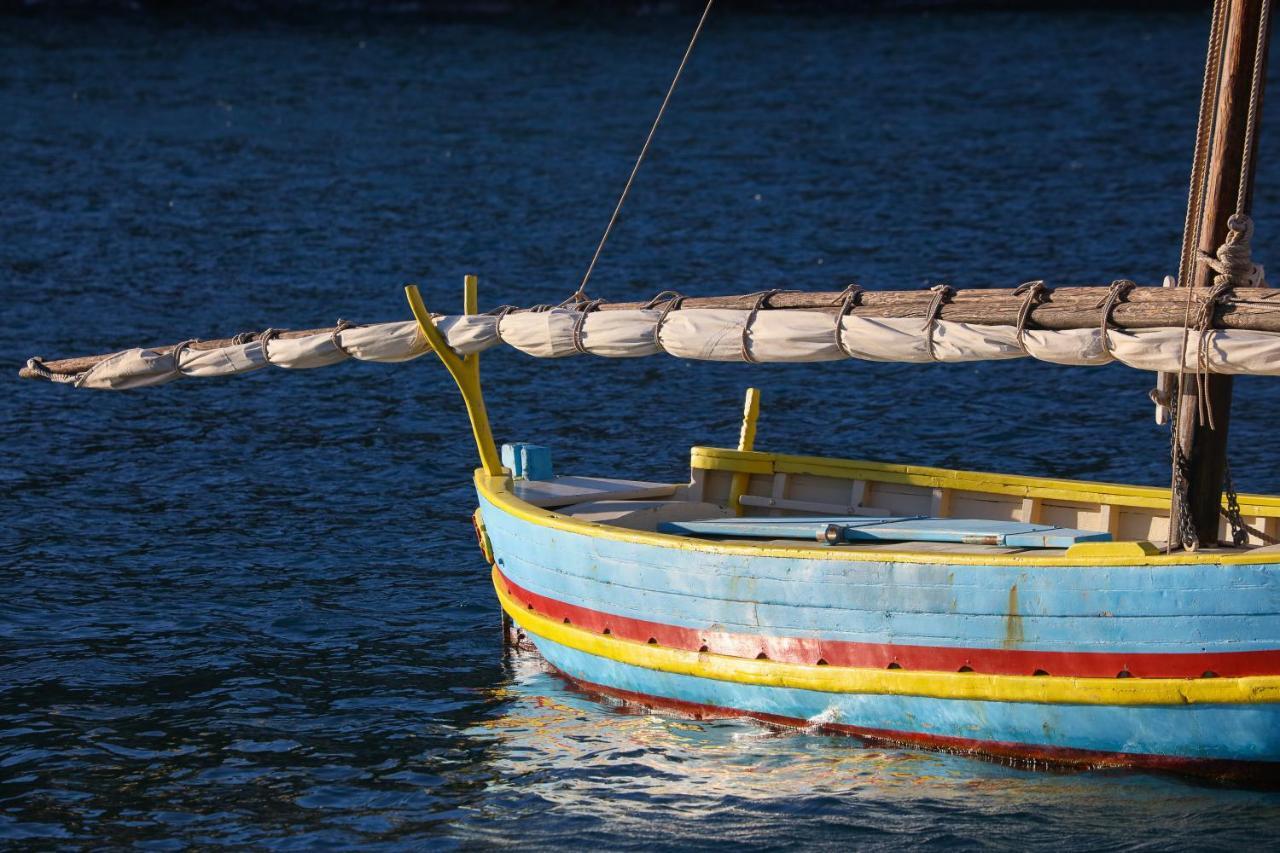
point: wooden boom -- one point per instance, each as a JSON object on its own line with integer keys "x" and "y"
{"x": 1254, "y": 309}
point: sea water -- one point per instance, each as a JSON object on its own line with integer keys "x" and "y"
{"x": 251, "y": 612}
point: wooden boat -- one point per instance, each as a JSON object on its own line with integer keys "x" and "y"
{"x": 1020, "y": 618}
{"x": 1101, "y": 653}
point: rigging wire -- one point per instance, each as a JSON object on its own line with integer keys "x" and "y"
{"x": 580, "y": 294}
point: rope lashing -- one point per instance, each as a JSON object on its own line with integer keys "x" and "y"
{"x": 1117, "y": 293}
{"x": 1034, "y": 293}
{"x": 1233, "y": 262}
{"x": 583, "y": 310}
{"x": 762, "y": 299}
{"x": 581, "y": 293}
{"x": 673, "y": 304}
{"x": 849, "y": 299}
{"x": 664, "y": 296}
{"x": 178, "y": 350}
{"x": 264, "y": 339}
{"x": 337, "y": 330}
{"x": 35, "y": 364}
{"x": 942, "y": 294}
{"x": 1204, "y": 330}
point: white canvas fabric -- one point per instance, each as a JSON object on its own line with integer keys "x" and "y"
{"x": 711, "y": 334}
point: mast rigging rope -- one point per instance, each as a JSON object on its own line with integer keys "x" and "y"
{"x": 580, "y": 294}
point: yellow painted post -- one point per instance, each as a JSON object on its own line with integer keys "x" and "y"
{"x": 746, "y": 442}
{"x": 465, "y": 371}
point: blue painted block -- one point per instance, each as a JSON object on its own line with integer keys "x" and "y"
{"x": 528, "y": 461}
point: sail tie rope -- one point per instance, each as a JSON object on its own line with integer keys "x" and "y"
{"x": 673, "y": 304}
{"x": 264, "y": 339}
{"x": 942, "y": 294}
{"x": 583, "y": 309}
{"x": 342, "y": 326}
{"x": 1118, "y": 292}
{"x": 581, "y": 293}
{"x": 762, "y": 299}
{"x": 1034, "y": 293}
{"x": 849, "y": 299}
{"x": 1204, "y": 330}
{"x": 37, "y": 365}
{"x": 178, "y": 350}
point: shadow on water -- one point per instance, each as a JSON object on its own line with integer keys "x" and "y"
{"x": 252, "y": 613}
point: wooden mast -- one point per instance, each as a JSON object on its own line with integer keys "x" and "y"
{"x": 1205, "y": 448}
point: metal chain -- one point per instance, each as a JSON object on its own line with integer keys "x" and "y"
{"x": 1179, "y": 519}
{"x": 1239, "y": 535}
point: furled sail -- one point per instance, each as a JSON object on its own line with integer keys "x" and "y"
{"x": 729, "y": 334}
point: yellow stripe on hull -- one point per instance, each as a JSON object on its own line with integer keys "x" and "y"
{"x": 1263, "y": 689}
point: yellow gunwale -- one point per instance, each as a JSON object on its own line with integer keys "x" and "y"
{"x": 497, "y": 490}
{"x": 757, "y": 462}
{"x": 1044, "y": 689}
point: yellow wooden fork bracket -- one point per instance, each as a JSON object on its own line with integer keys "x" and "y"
{"x": 465, "y": 371}
{"x": 746, "y": 442}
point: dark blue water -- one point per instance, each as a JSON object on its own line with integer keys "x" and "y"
{"x": 251, "y": 613}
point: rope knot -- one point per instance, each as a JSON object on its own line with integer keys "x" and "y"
{"x": 1233, "y": 262}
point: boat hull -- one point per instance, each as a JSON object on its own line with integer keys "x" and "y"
{"x": 1154, "y": 663}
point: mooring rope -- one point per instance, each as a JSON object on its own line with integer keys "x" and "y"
{"x": 580, "y": 294}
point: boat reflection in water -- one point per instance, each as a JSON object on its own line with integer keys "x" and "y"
{"x": 566, "y": 763}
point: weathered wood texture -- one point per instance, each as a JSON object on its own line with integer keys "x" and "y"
{"x": 1256, "y": 309}
{"x": 1206, "y": 447}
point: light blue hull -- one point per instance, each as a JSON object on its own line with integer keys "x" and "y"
{"x": 1206, "y": 614}
{"x": 1201, "y": 732}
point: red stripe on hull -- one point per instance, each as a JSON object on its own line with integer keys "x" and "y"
{"x": 1029, "y": 756}
{"x": 880, "y": 656}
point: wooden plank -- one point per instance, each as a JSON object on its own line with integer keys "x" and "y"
{"x": 1030, "y": 512}
{"x": 781, "y": 483}
{"x": 811, "y": 506}
{"x": 940, "y": 502}
{"x": 563, "y": 491}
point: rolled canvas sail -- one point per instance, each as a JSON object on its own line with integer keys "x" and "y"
{"x": 710, "y": 334}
